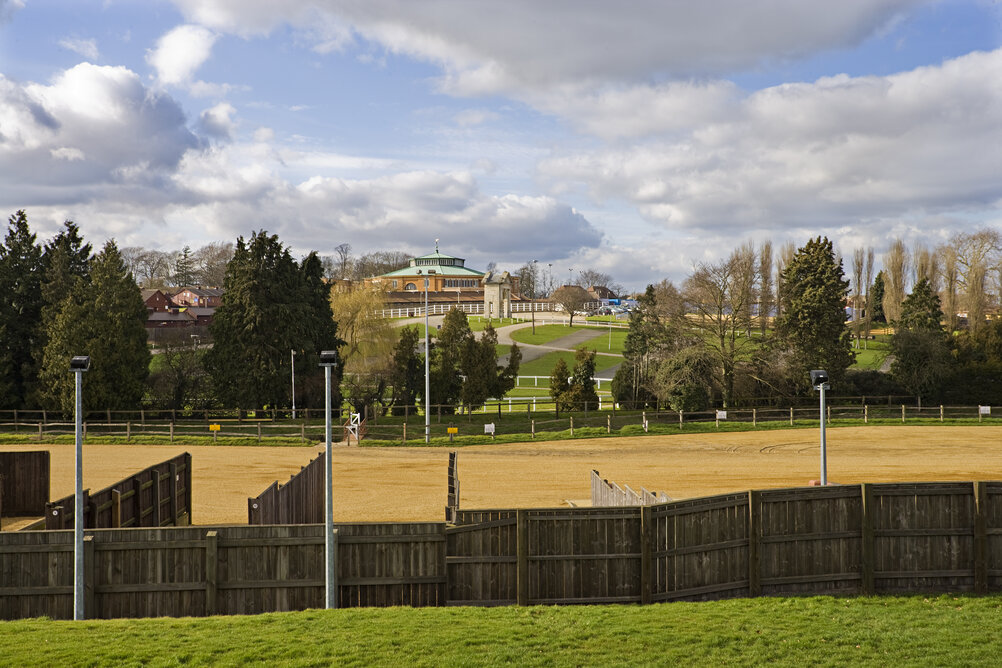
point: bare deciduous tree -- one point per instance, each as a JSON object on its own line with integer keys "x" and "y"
{"x": 895, "y": 271}
{"x": 948, "y": 295}
{"x": 858, "y": 266}
{"x": 765, "y": 296}
{"x": 869, "y": 298}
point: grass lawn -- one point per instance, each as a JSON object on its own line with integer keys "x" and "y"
{"x": 420, "y": 329}
{"x": 601, "y": 343}
{"x": 545, "y": 333}
{"x": 542, "y": 366}
{"x": 478, "y": 323}
{"x": 874, "y": 355}
{"x": 885, "y": 631}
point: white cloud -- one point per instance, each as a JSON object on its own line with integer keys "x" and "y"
{"x": 838, "y": 151}
{"x": 218, "y": 121}
{"x": 473, "y": 117}
{"x": 85, "y": 47}
{"x": 8, "y": 8}
{"x": 488, "y": 48}
{"x": 180, "y": 52}
{"x": 88, "y": 130}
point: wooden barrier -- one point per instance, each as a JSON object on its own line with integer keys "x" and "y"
{"x": 854, "y": 539}
{"x": 154, "y": 497}
{"x": 193, "y": 571}
{"x": 24, "y": 483}
{"x": 299, "y": 501}
{"x": 606, "y": 493}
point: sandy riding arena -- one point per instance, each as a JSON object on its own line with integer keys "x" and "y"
{"x": 410, "y": 483}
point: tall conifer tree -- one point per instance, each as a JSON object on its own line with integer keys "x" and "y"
{"x": 20, "y": 311}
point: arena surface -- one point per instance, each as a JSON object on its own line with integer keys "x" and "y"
{"x": 384, "y": 484}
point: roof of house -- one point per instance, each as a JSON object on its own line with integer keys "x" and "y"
{"x": 440, "y": 263}
{"x": 150, "y": 292}
{"x": 201, "y": 311}
{"x": 202, "y": 292}
{"x": 171, "y": 316}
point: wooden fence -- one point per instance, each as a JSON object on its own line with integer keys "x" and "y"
{"x": 154, "y": 497}
{"x": 606, "y": 493}
{"x": 854, "y": 539}
{"x": 200, "y": 571}
{"x": 24, "y": 483}
{"x": 299, "y": 501}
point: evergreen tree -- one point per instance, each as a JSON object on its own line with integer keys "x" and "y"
{"x": 65, "y": 262}
{"x": 877, "y": 299}
{"x": 559, "y": 385}
{"x": 581, "y": 393}
{"x": 270, "y": 307}
{"x": 483, "y": 377}
{"x": 812, "y": 325}
{"x": 920, "y": 310}
{"x": 447, "y": 360}
{"x": 104, "y": 318}
{"x": 921, "y": 352}
{"x": 20, "y": 311}
{"x": 184, "y": 268}
{"x": 407, "y": 375}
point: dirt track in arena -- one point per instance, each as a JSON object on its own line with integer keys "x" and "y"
{"x": 382, "y": 484}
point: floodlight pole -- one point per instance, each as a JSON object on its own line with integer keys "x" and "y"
{"x": 293, "y": 384}
{"x": 327, "y": 361}
{"x": 824, "y": 445}
{"x": 532, "y": 304}
{"x": 78, "y": 365}
{"x": 427, "y": 368}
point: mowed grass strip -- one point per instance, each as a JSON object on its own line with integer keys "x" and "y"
{"x": 545, "y": 333}
{"x": 942, "y": 630}
{"x": 543, "y": 366}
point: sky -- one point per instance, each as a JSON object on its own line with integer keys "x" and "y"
{"x": 635, "y": 138}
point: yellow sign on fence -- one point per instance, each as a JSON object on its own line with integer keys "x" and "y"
{"x": 213, "y": 427}
{"x": 452, "y": 430}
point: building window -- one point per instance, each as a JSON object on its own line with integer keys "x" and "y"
{"x": 410, "y": 286}
{"x": 394, "y": 284}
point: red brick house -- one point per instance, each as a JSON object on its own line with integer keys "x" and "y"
{"x": 199, "y": 296}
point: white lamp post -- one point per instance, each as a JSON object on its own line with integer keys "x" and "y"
{"x": 427, "y": 358}
{"x": 328, "y": 359}
{"x": 78, "y": 365}
{"x": 293, "y": 384}
{"x": 819, "y": 379}
{"x": 532, "y": 301}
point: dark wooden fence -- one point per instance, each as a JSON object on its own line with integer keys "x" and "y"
{"x": 854, "y": 539}
{"x": 224, "y": 570}
{"x": 24, "y": 483}
{"x": 154, "y": 497}
{"x": 299, "y": 501}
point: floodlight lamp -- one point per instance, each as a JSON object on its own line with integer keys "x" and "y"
{"x": 819, "y": 377}
{"x": 328, "y": 358}
{"x": 80, "y": 363}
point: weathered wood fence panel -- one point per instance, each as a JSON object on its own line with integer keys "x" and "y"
{"x": 299, "y": 501}
{"x": 156, "y": 496}
{"x": 923, "y": 535}
{"x": 606, "y": 493}
{"x": 810, "y": 540}
{"x": 24, "y": 483}
{"x": 700, "y": 548}
{"x": 481, "y": 556}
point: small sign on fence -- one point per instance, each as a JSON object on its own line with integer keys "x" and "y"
{"x": 984, "y": 410}
{"x": 489, "y": 429}
{"x": 213, "y": 427}
{"x": 452, "y": 430}
{"x": 721, "y": 415}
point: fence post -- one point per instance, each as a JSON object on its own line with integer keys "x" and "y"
{"x": 211, "y": 552}
{"x": 142, "y": 417}
{"x": 532, "y": 428}
{"x": 980, "y": 539}
{"x": 116, "y": 509}
{"x": 404, "y": 439}
{"x": 754, "y": 417}
{"x": 829, "y": 412}
{"x": 902, "y": 412}
{"x": 572, "y": 425}
{"x": 645, "y": 554}
{"x": 608, "y": 424}
{"x": 866, "y": 544}
{"x": 754, "y": 531}
{"x": 522, "y": 556}
{"x": 172, "y": 431}
{"x": 156, "y": 498}
{"x": 302, "y": 432}
{"x": 941, "y": 412}
{"x": 90, "y": 569}
{"x": 40, "y": 431}
{"x": 866, "y": 413}
{"x": 791, "y": 416}
{"x": 128, "y": 432}
{"x": 258, "y": 432}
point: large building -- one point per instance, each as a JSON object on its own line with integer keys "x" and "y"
{"x": 450, "y": 282}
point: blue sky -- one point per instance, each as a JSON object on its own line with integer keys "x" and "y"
{"x": 632, "y": 138}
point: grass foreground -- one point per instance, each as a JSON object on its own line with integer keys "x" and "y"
{"x": 914, "y": 630}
